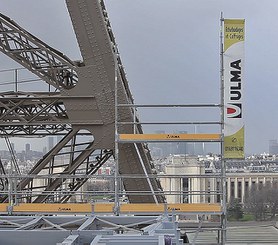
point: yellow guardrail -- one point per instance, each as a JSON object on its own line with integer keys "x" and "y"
{"x": 169, "y": 137}
{"x": 88, "y": 208}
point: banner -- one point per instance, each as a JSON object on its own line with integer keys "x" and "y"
{"x": 233, "y": 64}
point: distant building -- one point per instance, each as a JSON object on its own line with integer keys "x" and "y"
{"x": 188, "y": 178}
{"x": 273, "y": 147}
{"x": 28, "y": 152}
{"x": 239, "y": 185}
{"x": 50, "y": 143}
{"x": 27, "y": 147}
{"x": 161, "y": 150}
{"x": 190, "y": 188}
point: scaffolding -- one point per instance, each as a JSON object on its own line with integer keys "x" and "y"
{"x": 135, "y": 136}
{"x": 119, "y": 208}
{"x": 140, "y": 187}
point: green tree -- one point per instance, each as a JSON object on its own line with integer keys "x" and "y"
{"x": 235, "y": 210}
{"x": 263, "y": 201}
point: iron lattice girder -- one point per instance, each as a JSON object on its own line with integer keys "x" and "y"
{"x": 3, "y": 181}
{"x": 37, "y": 113}
{"x": 90, "y": 103}
{"x": 48, "y": 165}
{"x": 44, "y": 61}
{"x": 35, "y": 130}
{"x": 91, "y": 170}
{"x": 31, "y": 109}
{"x": 40, "y": 114}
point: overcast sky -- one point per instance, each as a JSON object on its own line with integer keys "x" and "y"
{"x": 170, "y": 50}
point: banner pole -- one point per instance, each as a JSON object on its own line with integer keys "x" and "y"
{"x": 223, "y": 163}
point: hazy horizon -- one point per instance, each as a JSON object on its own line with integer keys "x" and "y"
{"x": 170, "y": 50}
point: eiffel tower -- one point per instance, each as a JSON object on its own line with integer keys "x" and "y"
{"x": 82, "y": 104}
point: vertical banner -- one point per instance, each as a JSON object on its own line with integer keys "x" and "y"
{"x": 233, "y": 64}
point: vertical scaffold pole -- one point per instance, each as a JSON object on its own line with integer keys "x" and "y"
{"x": 116, "y": 154}
{"x": 223, "y": 163}
{"x": 16, "y": 79}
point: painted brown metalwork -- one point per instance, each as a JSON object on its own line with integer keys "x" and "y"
{"x": 83, "y": 102}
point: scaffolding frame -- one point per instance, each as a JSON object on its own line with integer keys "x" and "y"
{"x": 139, "y": 137}
{"x": 149, "y": 138}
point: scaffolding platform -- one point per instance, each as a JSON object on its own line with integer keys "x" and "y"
{"x": 108, "y": 208}
{"x": 169, "y": 138}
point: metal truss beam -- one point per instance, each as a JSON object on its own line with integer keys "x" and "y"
{"x": 3, "y": 181}
{"x": 23, "y": 113}
{"x": 44, "y": 61}
{"x": 147, "y": 230}
{"x": 91, "y": 170}
{"x": 86, "y": 99}
{"x": 78, "y": 157}
{"x": 35, "y": 130}
{"x": 19, "y": 110}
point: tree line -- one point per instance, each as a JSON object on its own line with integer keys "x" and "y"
{"x": 261, "y": 202}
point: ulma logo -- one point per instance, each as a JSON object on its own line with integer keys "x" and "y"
{"x": 234, "y": 111}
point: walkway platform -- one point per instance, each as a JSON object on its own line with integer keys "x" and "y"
{"x": 107, "y": 208}
{"x": 127, "y": 138}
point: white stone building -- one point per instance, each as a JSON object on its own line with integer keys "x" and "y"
{"x": 187, "y": 180}
{"x": 181, "y": 188}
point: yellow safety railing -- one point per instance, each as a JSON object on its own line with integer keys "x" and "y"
{"x": 88, "y": 208}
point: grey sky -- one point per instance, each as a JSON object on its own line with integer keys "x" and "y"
{"x": 170, "y": 50}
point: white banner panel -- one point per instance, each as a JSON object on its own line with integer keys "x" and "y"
{"x": 233, "y": 62}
